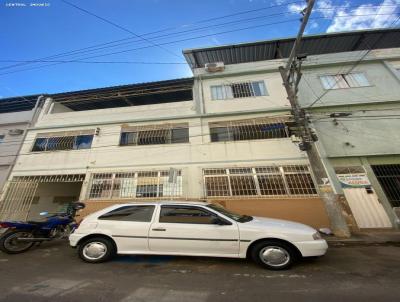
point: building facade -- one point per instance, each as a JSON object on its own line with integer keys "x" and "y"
{"x": 16, "y": 115}
{"x": 226, "y": 135}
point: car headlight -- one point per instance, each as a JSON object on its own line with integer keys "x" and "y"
{"x": 316, "y": 236}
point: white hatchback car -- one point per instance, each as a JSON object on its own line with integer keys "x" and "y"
{"x": 193, "y": 229}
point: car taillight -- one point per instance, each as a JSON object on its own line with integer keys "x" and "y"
{"x": 4, "y": 225}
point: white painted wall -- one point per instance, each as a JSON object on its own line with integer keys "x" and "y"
{"x": 10, "y": 145}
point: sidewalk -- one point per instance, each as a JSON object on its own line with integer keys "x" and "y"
{"x": 366, "y": 238}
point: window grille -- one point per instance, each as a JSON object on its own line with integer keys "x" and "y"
{"x": 259, "y": 128}
{"x": 67, "y": 140}
{"x": 155, "y": 134}
{"x": 339, "y": 81}
{"x": 268, "y": 181}
{"x": 389, "y": 178}
{"x": 238, "y": 90}
{"x": 139, "y": 184}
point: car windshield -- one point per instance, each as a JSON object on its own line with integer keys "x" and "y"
{"x": 234, "y": 216}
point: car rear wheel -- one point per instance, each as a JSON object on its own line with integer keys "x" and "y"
{"x": 274, "y": 255}
{"x": 96, "y": 250}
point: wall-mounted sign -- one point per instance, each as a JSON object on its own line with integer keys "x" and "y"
{"x": 354, "y": 180}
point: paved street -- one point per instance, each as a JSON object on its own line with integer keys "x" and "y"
{"x": 53, "y": 272}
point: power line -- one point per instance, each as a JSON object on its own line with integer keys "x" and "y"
{"x": 96, "y": 62}
{"x": 162, "y": 30}
{"x": 191, "y": 38}
{"x": 154, "y": 38}
{"x": 121, "y": 27}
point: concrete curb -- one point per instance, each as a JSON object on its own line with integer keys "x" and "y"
{"x": 337, "y": 242}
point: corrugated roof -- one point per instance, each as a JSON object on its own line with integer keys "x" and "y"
{"x": 280, "y": 48}
{"x": 19, "y": 103}
{"x": 175, "y": 90}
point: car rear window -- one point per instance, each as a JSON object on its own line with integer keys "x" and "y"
{"x": 130, "y": 213}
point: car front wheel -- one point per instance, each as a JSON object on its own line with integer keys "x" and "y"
{"x": 274, "y": 255}
{"x": 96, "y": 250}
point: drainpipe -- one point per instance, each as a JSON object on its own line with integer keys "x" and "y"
{"x": 35, "y": 110}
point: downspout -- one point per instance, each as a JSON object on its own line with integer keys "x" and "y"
{"x": 31, "y": 121}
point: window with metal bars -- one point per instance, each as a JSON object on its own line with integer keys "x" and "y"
{"x": 389, "y": 179}
{"x": 238, "y": 90}
{"x": 248, "y": 130}
{"x": 269, "y": 181}
{"x": 140, "y": 184}
{"x": 54, "y": 143}
{"x": 154, "y": 136}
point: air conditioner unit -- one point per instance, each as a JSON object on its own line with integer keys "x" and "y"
{"x": 214, "y": 67}
{"x": 15, "y": 131}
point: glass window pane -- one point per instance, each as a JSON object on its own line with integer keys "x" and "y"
{"x": 177, "y": 214}
{"x": 217, "y": 92}
{"x": 83, "y": 142}
{"x": 128, "y": 138}
{"x": 39, "y": 145}
{"x": 220, "y": 134}
{"x": 259, "y": 88}
{"x": 228, "y": 92}
{"x": 130, "y": 213}
{"x": 180, "y": 135}
{"x": 357, "y": 80}
{"x": 329, "y": 82}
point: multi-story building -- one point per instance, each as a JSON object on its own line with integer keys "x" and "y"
{"x": 16, "y": 115}
{"x": 225, "y": 135}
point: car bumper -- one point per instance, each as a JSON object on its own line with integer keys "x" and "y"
{"x": 74, "y": 239}
{"x": 312, "y": 248}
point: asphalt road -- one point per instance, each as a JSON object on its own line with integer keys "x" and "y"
{"x": 54, "y": 272}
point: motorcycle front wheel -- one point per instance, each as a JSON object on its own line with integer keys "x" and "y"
{"x": 10, "y": 244}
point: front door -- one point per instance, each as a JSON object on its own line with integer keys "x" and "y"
{"x": 363, "y": 201}
{"x": 192, "y": 230}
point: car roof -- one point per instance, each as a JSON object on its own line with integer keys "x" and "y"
{"x": 164, "y": 202}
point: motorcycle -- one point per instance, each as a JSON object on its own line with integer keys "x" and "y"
{"x": 20, "y": 236}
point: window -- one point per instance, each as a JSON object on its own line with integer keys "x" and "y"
{"x": 293, "y": 180}
{"x": 339, "y": 81}
{"x": 168, "y": 135}
{"x": 140, "y": 184}
{"x": 70, "y": 142}
{"x": 238, "y": 90}
{"x": 130, "y": 213}
{"x": 182, "y": 214}
{"x": 248, "y": 130}
{"x": 1, "y": 138}
{"x": 149, "y": 191}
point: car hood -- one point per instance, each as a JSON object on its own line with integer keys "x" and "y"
{"x": 277, "y": 225}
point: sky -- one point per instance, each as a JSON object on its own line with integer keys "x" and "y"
{"x": 154, "y": 32}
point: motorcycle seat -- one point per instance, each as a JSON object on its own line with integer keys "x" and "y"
{"x": 37, "y": 222}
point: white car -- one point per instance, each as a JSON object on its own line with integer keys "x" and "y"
{"x": 193, "y": 229}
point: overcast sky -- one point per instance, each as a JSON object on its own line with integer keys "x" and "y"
{"x": 150, "y": 31}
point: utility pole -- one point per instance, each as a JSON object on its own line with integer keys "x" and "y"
{"x": 291, "y": 75}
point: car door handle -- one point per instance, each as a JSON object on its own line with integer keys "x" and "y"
{"x": 159, "y": 229}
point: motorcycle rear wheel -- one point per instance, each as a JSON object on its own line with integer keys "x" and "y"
{"x": 9, "y": 241}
